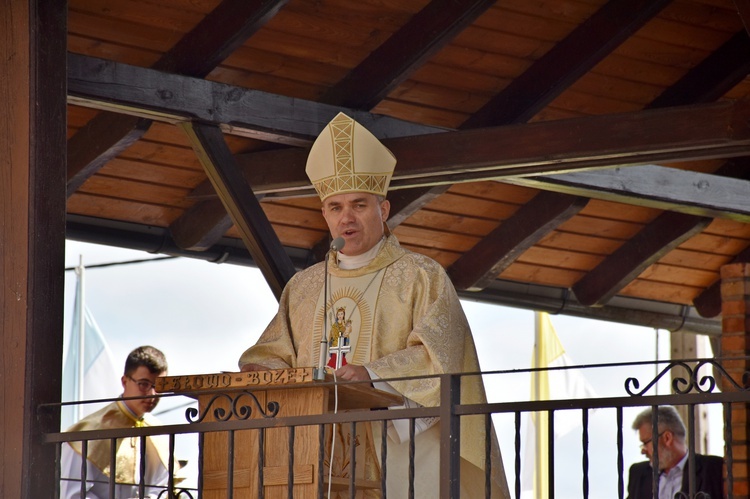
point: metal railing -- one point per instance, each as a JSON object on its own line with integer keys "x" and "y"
{"x": 245, "y": 414}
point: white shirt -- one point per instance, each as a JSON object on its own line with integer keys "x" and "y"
{"x": 670, "y": 482}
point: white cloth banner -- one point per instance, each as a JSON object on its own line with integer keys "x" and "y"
{"x": 100, "y": 379}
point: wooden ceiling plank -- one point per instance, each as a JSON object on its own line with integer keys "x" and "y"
{"x": 497, "y": 251}
{"x": 427, "y": 32}
{"x": 566, "y": 62}
{"x": 219, "y": 34}
{"x": 656, "y": 239}
{"x": 241, "y": 204}
{"x": 654, "y": 186}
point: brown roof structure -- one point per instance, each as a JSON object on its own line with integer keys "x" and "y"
{"x": 578, "y": 156}
{"x": 584, "y": 157}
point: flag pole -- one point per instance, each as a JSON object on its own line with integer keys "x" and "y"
{"x": 537, "y": 396}
{"x": 81, "y": 334}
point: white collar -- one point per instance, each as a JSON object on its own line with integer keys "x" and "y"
{"x": 358, "y": 261}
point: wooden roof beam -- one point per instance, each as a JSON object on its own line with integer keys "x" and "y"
{"x": 428, "y": 31}
{"x": 394, "y": 61}
{"x": 217, "y": 36}
{"x": 655, "y": 240}
{"x": 683, "y": 191}
{"x": 713, "y": 77}
{"x": 708, "y": 81}
{"x": 240, "y": 202}
{"x": 201, "y": 226}
{"x": 212, "y": 40}
{"x": 528, "y": 94}
{"x": 171, "y": 98}
{"x": 481, "y": 265}
{"x": 566, "y": 62}
{"x": 680, "y": 133}
{"x": 97, "y": 142}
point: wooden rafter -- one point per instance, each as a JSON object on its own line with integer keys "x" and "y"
{"x": 656, "y": 239}
{"x": 692, "y": 193}
{"x": 567, "y": 61}
{"x": 173, "y": 98}
{"x": 524, "y": 97}
{"x": 212, "y": 40}
{"x": 479, "y": 266}
{"x": 401, "y": 54}
{"x": 393, "y": 62}
{"x": 721, "y": 71}
{"x": 238, "y": 199}
{"x": 707, "y": 81}
{"x": 97, "y": 142}
{"x": 201, "y": 226}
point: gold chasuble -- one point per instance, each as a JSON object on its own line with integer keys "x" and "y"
{"x": 398, "y": 316}
{"x": 127, "y": 460}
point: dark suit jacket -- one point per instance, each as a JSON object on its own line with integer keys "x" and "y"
{"x": 708, "y": 478}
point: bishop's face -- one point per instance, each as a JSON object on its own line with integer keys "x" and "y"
{"x": 358, "y": 218}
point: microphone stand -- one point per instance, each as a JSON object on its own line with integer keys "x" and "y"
{"x": 319, "y": 373}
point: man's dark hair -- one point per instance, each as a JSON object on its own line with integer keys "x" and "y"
{"x": 148, "y": 356}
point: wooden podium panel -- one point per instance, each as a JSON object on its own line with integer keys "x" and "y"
{"x": 297, "y": 394}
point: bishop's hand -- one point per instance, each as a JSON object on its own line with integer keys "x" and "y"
{"x": 352, "y": 372}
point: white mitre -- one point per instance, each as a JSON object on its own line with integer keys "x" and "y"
{"x": 346, "y": 157}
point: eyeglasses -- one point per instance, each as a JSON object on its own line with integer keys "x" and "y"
{"x": 644, "y": 444}
{"x": 144, "y": 385}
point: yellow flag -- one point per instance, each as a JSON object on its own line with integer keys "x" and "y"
{"x": 548, "y": 385}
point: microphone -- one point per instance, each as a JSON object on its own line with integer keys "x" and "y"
{"x": 319, "y": 373}
{"x": 337, "y": 244}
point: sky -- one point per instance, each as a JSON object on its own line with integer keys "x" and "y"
{"x": 203, "y": 315}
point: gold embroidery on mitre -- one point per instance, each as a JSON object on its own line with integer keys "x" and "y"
{"x": 346, "y": 157}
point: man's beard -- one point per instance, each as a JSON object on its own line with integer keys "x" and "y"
{"x": 665, "y": 456}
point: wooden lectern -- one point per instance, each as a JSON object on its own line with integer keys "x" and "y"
{"x": 296, "y": 394}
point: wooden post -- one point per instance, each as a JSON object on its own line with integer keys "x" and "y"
{"x": 32, "y": 239}
{"x": 735, "y": 342}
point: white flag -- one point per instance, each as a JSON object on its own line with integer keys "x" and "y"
{"x": 89, "y": 373}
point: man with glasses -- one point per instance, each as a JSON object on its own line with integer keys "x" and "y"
{"x": 132, "y": 410}
{"x": 672, "y": 455}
